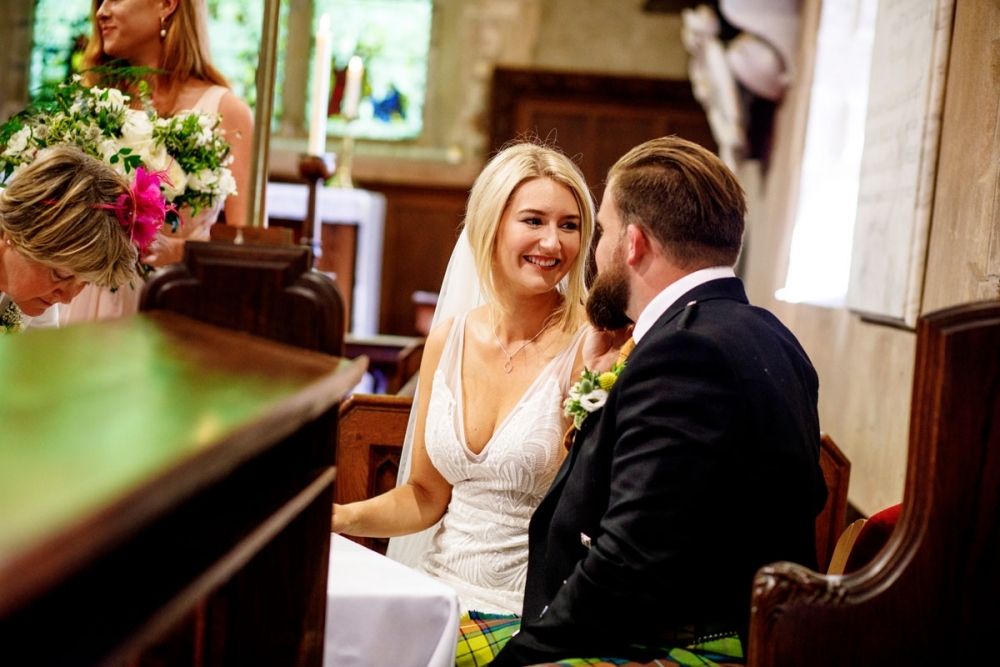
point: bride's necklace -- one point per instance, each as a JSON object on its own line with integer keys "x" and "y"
{"x": 508, "y": 365}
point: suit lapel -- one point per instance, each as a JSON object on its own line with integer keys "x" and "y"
{"x": 725, "y": 288}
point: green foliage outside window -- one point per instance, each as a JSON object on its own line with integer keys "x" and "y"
{"x": 391, "y": 36}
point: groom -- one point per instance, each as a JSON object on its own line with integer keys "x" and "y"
{"x": 703, "y": 465}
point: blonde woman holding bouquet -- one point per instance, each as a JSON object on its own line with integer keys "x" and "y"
{"x": 66, "y": 220}
{"x": 168, "y": 35}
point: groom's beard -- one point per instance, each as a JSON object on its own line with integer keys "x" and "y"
{"x": 609, "y": 296}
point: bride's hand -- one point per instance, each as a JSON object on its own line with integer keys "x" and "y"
{"x": 600, "y": 348}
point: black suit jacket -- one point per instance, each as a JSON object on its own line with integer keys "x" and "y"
{"x": 702, "y": 466}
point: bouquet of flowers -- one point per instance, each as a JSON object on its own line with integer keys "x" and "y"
{"x": 188, "y": 148}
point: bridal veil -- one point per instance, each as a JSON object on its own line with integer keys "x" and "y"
{"x": 459, "y": 294}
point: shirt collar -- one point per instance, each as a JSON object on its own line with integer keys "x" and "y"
{"x": 666, "y": 298}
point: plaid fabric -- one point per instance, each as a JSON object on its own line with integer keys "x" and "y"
{"x": 481, "y": 636}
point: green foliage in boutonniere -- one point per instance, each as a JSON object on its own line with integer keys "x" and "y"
{"x": 10, "y": 319}
{"x": 590, "y": 393}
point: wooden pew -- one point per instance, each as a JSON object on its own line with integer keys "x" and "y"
{"x": 830, "y": 522}
{"x": 267, "y": 290}
{"x": 393, "y": 360}
{"x": 149, "y": 462}
{"x": 932, "y": 596}
{"x": 372, "y": 429}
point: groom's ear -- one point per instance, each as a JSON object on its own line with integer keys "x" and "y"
{"x": 639, "y": 245}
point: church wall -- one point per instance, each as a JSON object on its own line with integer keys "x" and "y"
{"x": 866, "y": 370}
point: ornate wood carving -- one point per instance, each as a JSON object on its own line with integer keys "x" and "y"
{"x": 930, "y": 597}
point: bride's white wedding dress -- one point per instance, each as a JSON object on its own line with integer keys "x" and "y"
{"x": 481, "y": 545}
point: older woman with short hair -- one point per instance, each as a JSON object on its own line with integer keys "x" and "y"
{"x": 66, "y": 220}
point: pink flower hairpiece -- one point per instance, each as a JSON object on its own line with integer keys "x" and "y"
{"x": 142, "y": 210}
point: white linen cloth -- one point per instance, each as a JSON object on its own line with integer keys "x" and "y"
{"x": 379, "y": 612}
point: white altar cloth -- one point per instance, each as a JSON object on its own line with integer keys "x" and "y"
{"x": 379, "y": 612}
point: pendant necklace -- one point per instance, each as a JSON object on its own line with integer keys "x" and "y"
{"x": 508, "y": 365}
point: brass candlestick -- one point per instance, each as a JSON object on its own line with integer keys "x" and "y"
{"x": 342, "y": 178}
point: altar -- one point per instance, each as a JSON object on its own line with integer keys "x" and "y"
{"x": 364, "y": 212}
{"x": 380, "y": 612}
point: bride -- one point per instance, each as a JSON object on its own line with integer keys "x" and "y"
{"x": 487, "y": 438}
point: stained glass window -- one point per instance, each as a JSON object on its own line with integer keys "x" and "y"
{"x": 392, "y": 37}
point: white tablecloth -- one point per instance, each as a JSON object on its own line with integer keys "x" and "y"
{"x": 379, "y": 612}
{"x": 346, "y": 207}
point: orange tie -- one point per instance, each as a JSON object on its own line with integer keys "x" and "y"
{"x": 623, "y": 353}
{"x": 626, "y": 350}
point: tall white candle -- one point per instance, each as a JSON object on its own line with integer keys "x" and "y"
{"x": 320, "y": 88}
{"x": 352, "y": 88}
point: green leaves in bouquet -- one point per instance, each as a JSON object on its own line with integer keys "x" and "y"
{"x": 128, "y": 160}
{"x": 118, "y": 124}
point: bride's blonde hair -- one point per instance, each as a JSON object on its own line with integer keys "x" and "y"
{"x": 492, "y": 192}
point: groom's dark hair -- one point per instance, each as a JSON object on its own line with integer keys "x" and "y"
{"x": 684, "y": 197}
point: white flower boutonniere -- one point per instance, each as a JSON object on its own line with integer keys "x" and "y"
{"x": 11, "y": 320}
{"x": 590, "y": 393}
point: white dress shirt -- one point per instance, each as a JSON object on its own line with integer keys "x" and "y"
{"x": 647, "y": 318}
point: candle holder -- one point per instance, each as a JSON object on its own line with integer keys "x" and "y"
{"x": 314, "y": 169}
{"x": 342, "y": 177}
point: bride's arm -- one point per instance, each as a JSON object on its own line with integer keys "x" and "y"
{"x": 423, "y": 499}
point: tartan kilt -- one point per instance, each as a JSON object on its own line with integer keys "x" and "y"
{"x": 481, "y": 636}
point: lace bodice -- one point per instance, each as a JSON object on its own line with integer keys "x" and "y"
{"x": 481, "y": 546}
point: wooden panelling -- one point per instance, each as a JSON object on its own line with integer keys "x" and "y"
{"x": 593, "y": 118}
{"x": 421, "y": 226}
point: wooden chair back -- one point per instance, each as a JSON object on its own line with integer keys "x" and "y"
{"x": 266, "y": 290}
{"x": 931, "y": 595}
{"x": 830, "y": 522}
{"x": 369, "y": 444}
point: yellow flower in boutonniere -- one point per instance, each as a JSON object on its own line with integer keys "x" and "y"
{"x": 590, "y": 393}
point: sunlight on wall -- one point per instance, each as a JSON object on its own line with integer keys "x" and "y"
{"x": 820, "y": 259}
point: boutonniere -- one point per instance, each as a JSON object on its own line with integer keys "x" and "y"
{"x": 590, "y": 393}
{"x": 10, "y": 319}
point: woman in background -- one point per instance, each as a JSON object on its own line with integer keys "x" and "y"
{"x": 66, "y": 220}
{"x": 488, "y": 436}
{"x": 168, "y": 35}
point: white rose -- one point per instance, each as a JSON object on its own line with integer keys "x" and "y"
{"x": 178, "y": 181}
{"x": 137, "y": 126}
{"x": 116, "y": 100}
{"x": 157, "y": 158}
{"x": 205, "y": 180}
{"x": 227, "y": 184}
{"x": 107, "y": 148}
{"x": 19, "y": 141}
{"x": 137, "y": 134}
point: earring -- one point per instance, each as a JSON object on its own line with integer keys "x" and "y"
{"x": 163, "y": 28}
